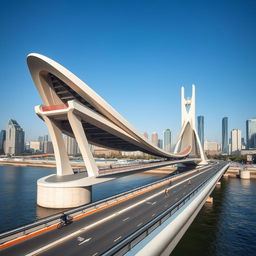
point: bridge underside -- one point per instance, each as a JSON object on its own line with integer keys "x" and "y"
{"x": 73, "y": 108}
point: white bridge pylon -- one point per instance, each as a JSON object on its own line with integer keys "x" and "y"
{"x": 188, "y": 135}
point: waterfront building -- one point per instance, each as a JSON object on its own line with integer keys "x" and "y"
{"x": 71, "y": 145}
{"x": 14, "y": 138}
{"x": 48, "y": 147}
{"x": 133, "y": 153}
{"x": 225, "y": 135}
{"x": 167, "y": 140}
{"x": 251, "y": 133}
{"x": 42, "y": 140}
{"x": 35, "y": 146}
{"x": 236, "y": 144}
{"x": 200, "y": 129}
{"x": 160, "y": 143}
{"x": 212, "y": 147}
{"x": 154, "y": 138}
{"x": 104, "y": 151}
{"x": 2, "y": 140}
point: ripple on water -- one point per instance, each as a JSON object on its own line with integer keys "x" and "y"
{"x": 228, "y": 227}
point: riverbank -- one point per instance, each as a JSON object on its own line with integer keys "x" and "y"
{"x": 235, "y": 171}
{"x": 50, "y": 163}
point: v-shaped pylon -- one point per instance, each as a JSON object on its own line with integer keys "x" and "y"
{"x": 188, "y": 134}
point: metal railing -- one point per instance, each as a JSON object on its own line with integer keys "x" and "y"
{"x": 49, "y": 221}
{"x": 129, "y": 242}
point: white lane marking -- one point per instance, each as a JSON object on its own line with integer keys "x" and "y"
{"x": 117, "y": 239}
{"x": 153, "y": 215}
{"x": 46, "y": 247}
{"x": 148, "y": 203}
{"x": 95, "y": 254}
{"x": 139, "y": 224}
{"x": 85, "y": 241}
{"x": 126, "y": 219}
{"x": 154, "y": 203}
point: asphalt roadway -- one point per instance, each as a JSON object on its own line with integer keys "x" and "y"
{"x": 95, "y": 233}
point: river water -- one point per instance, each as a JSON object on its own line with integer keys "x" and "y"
{"x": 227, "y": 227}
{"x": 18, "y": 193}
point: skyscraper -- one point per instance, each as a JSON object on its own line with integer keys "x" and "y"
{"x": 167, "y": 140}
{"x": 236, "y": 144}
{"x": 71, "y": 145}
{"x": 225, "y": 135}
{"x": 251, "y": 133}
{"x": 2, "y": 139}
{"x": 14, "y": 138}
{"x": 155, "y": 138}
{"x": 160, "y": 143}
{"x": 200, "y": 129}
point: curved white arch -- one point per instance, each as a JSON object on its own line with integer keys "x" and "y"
{"x": 49, "y": 76}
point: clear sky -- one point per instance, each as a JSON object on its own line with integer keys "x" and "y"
{"x": 136, "y": 55}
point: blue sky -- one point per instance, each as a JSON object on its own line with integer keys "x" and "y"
{"x": 136, "y": 55}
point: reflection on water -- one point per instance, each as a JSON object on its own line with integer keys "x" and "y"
{"x": 228, "y": 227}
{"x": 18, "y": 193}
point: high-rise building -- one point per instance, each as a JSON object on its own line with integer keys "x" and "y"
{"x": 14, "y": 138}
{"x": 251, "y": 133}
{"x": 2, "y": 140}
{"x": 200, "y": 129}
{"x": 42, "y": 140}
{"x": 46, "y": 138}
{"x": 167, "y": 140}
{"x": 160, "y": 143}
{"x": 48, "y": 147}
{"x": 236, "y": 144}
{"x": 155, "y": 138}
{"x": 225, "y": 135}
{"x": 71, "y": 145}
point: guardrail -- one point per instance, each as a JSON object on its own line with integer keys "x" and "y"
{"x": 49, "y": 221}
{"x": 129, "y": 242}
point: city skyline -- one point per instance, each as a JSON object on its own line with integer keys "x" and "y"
{"x": 113, "y": 59}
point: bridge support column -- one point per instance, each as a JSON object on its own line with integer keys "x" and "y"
{"x": 61, "y": 157}
{"x": 83, "y": 145}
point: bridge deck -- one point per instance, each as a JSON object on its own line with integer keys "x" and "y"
{"x": 97, "y": 232}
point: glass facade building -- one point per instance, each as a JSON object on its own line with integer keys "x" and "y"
{"x": 167, "y": 140}
{"x": 14, "y": 138}
{"x": 200, "y": 129}
{"x": 2, "y": 139}
{"x": 225, "y": 135}
{"x": 251, "y": 133}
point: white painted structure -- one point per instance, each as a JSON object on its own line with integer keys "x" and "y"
{"x": 71, "y": 107}
{"x": 188, "y": 136}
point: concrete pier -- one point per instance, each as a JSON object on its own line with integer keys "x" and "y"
{"x": 66, "y": 191}
{"x": 244, "y": 174}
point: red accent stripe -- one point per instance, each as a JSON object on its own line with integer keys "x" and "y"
{"x": 186, "y": 151}
{"x": 54, "y": 107}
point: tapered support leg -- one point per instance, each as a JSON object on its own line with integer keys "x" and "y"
{"x": 83, "y": 145}
{"x": 62, "y": 161}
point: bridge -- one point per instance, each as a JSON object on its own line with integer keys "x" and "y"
{"x": 73, "y": 108}
{"x": 149, "y": 220}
